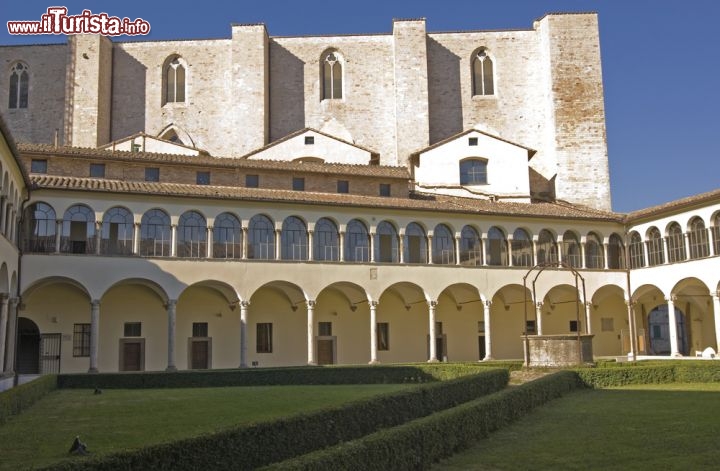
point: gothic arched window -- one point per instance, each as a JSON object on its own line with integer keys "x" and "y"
{"x": 175, "y": 81}
{"x": 482, "y": 73}
{"x": 332, "y": 75}
{"x": 19, "y": 86}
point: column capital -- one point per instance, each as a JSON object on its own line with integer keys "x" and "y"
{"x": 539, "y": 305}
{"x": 244, "y": 304}
{"x": 671, "y": 299}
{"x": 487, "y": 303}
{"x": 171, "y": 303}
{"x": 136, "y": 224}
{"x": 173, "y": 226}
{"x": 715, "y": 295}
{"x": 588, "y": 305}
{"x": 432, "y": 304}
{"x": 311, "y": 303}
{"x": 95, "y": 303}
{"x": 374, "y": 303}
{"x": 4, "y": 297}
{"x": 630, "y": 303}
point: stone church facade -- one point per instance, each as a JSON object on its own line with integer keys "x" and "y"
{"x": 268, "y": 201}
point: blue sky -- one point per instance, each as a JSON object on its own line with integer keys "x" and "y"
{"x": 661, "y": 66}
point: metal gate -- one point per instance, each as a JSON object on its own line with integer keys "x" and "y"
{"x": 50, "y": 353}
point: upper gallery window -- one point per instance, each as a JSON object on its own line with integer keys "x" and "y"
{"x": 331, "y": 75}
{"x": 482, "y": 73}
{"x": 175, "y": 81}
{"x": 473, "y": 172}
{"x": 19, "y": 84}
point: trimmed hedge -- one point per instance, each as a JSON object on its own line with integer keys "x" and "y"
{"x": 654, "y": 373}
{"x": 420, "y": 443}
{"x": 371, "y": 374}
{"x": 15, "y": 400}
{"x": 249, "y": 447}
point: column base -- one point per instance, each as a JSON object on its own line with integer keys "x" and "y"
{"x": 373, "y": 362}
{"x": 171, "y": 368}
{"x": 311, "y": 363}
{"x": 433, "y": 360}
{"x": 487, "y": 358}
{"x": 243, "y": 365}
{"x": 93, "y": 370}
{"x": 677, "y": 355}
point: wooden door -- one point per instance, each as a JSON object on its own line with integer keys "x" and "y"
{"x": 132, "y": 356}
{"x": 199, "y": 355}
{"x": 325, "y": 352}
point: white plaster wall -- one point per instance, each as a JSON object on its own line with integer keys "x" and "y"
{"x": 328, "y": 149}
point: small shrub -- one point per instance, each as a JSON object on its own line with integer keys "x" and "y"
{"x": 15, "y": 400}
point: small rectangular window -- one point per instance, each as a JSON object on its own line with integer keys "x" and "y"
{"x": 152, "y": 174}
{"x": 252, "y": 181}
{"x": 81, "y": 340}
{"x": 133, "y": 329}
{"x": 343, "y": 186}
{"x": 384, "y": 189}
{"x": 202, "y": 178}
{"x": 573, "y": 326}
{"x": 200, "y": 329}
{"x": 472, "y": 141}
{"x": 97, "y": 170}
{"x": 530, "y": 327}
{"x": 607, "y": 324}
{"x": 298, "y": 184}
{"x": 309, "y": 140}
{"x": 264, "y": 337}
{"x": 325, "y": 329}
{"x": 38, "y": 166}
{"x": 383, "y": 336}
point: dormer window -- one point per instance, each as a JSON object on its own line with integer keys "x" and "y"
{"x": 473, "y": 172}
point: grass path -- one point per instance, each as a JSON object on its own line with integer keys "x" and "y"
{"x": 124, "y": 419}
{"x": 668, "y": 427}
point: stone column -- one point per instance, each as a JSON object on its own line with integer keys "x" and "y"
{"x": 3, "y": 211}
{"x": 538, "y": 318}
{"x": 173, "y": 240}
{"x": 509, "y": 250}
{"x": 58, "y": 234}
{"x": 488, "y": 340}
{"x": 430, "y": 249}
{"x": 401, "y": 247}
{"x": 372, "y": 247}
{"x": 341, "y": 249}
{"x": 533, "y": 256}
{"x": 482, "y": 251}
{"x": 605, "y": 256}
{"x": 561, "y": 249}
{"x": 646, "y": 258}
{"x": 457, "y": 250}
{"x": 13, "y": 227}
{"x": 311, "y": 332}
{"x": 98, "y": 236}
{"x": 94, "y": 335}
{"x": 136, "y": 239}
{"x": 716, "y": 312}
{"x": 243, "y": 333}
{"x": 310, "y": 245}
{"x": 431, "y": 319}
{"x": 171, "y": 307}
{"x": 278, "y": 246}
{"x": 245, "y": 243}
{"x": 209, "y": 243}
{"x": 686, "y": 241}
{"x": 373, "y": 332}
{"x": 672, "y": 322}
{"x": 632, "y": 354}
{"x": 588, "y": 324}
{"x": 3, "y": 328}
{"x": 11, "y": 335}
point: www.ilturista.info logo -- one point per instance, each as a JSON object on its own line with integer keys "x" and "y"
{"x": 57, "y": 21}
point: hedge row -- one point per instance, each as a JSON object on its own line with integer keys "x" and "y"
{"x": 420, "y": 443}
{"x": 656, "y": 373}
{"x": 256, "y": 445}
{"x": 15, "y": 400}
{"x": 375, "y": 374}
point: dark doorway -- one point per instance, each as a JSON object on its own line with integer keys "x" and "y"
{"x": 28, "y": 347}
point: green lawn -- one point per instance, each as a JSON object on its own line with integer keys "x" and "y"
{"x": 121, "y": 419}
{"x": 668, "y": 426}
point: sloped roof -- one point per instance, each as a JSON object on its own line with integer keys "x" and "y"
{"x": 672, "y": 206}
{"x": 300, "y": 132}
{"x": 219, "y": 162}
{"x": 417, "y": 201}
{"x": 529, "y": 150}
